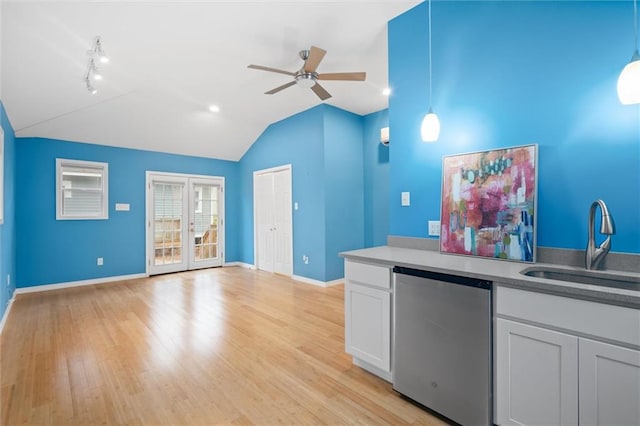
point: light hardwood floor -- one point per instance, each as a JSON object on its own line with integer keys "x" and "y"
{"x": 216, "y": 346}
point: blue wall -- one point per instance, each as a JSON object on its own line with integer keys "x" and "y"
{"x": 297, "y": 140}
{"x": 8, "y": 228}
{"x": 515, "y": 73}
{"x": 376, "y": 180}
{"x": 51, "y": 251}
{"x": 344, "y": 187}
{"x": 324, "y": 147}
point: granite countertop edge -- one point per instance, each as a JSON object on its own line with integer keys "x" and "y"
{"x": 504, "y": 273}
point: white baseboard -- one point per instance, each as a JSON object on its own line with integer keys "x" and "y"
{"x": 6, "y": 312}
{"x": 240, "y": 264}
{"x": 317, "y": 282}
{"x": 47, "y": 287}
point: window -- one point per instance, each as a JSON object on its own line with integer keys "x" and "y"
{"x": 81, "y": 190}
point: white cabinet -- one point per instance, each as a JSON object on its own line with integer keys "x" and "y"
{"x": 368, "y": 316}
{"x": 536, "y": 374}
{"x": 544, "y": 376}
{"x": 609, "y": 384}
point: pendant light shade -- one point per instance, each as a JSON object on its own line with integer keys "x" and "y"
{"x": 430, "y": 129}
{"x": 629, "y": 82}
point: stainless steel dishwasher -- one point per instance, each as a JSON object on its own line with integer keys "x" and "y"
{"x": 442, "y": 343}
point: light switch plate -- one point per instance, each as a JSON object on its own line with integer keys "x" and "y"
{"x": 122, "y": 207}
{"x": 434, "y": 228}
{"x": 406, "y": 199}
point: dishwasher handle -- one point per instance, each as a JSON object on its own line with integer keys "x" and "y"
{"x": 439, "y": 276}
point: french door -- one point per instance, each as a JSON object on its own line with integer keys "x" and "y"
{"x": 185, "y": 222}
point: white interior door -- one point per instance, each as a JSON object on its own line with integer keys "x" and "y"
{"x": 273, "y": 220}
{"x": 185, "y": 222}
{"x": 264, "y": 206}
{"x": 282, "y": 222}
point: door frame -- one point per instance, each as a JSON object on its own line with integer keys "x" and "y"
{"x": 256, "y": 173}
{"x": 149, "y": 174}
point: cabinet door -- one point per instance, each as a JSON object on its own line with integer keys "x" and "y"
{"x": 609, "y": 384}
{"x": 368, "y": 324}
{"x": 536, "y": 376}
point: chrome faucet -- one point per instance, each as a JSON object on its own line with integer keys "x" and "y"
{"x": 596, "y": 255}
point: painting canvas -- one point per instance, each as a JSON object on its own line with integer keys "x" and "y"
{"x": 489, "y": 204}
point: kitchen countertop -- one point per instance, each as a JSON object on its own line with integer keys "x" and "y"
{"x": 501, "y": 272}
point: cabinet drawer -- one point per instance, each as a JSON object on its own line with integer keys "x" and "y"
{"x": 367, "y": 274}
{"x": 599, "y": 320}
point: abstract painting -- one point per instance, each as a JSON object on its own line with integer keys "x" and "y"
{"x": 489, "y": 203}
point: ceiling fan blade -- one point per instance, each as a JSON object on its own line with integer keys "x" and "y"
{"x": 319, "y": 90}
{"x": 279, "y": 88}
{"x": 260, "y": 67}
{"x": 315, "y": 56}
{"x": 346, "y": 76}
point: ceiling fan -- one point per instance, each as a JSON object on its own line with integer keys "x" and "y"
{"x": 307, "y": 75}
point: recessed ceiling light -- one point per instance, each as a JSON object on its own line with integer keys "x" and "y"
{"x": 386, "y": 91}
{"x": 214, "y": 108}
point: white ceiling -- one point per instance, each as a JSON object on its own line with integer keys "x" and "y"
{"x": 171, "y": 59}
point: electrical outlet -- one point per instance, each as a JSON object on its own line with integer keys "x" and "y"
{"x": 100, "y": 261}
{"x": 434, "y": 228}
{"x": 305, "y": 259}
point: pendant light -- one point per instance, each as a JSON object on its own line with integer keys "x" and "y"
{"x": 629, "y": 80}
{"x": 430, "y": 129}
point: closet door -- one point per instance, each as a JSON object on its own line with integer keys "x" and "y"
{"x": 282, "y": 222}
{"x": 265, "y": 213}
{"x": 273, "y": 220}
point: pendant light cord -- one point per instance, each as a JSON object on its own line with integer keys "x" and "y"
{"x": 635, "y": 23}
{"x": 430, "y": 71}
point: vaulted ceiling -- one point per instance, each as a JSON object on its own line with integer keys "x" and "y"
{"x": 171, "y": 60}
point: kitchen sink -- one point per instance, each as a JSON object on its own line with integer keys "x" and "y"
{"x": 584, "y": 277}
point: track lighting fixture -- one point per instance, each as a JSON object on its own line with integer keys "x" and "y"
{"x": 93, "y": 73}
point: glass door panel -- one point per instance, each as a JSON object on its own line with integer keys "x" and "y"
{"x": 167, "y": 225}
{"x": 205, "y": 222}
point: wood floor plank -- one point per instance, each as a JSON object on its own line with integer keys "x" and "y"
{"x": 216, "y": 346}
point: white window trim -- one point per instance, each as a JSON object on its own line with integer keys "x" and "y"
{"x": 102, "y": 167}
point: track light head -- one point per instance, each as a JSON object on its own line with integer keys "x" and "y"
{"x": 90, "y": 87}
{"x": 98, "y": 52}
{"x": 94, "y": 71}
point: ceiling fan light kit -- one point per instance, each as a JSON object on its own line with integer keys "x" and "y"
{"x": 306, "y": 80}
{"x": 307, "y": 77}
